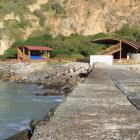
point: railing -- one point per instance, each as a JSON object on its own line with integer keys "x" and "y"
{"x": 110, "y": 50}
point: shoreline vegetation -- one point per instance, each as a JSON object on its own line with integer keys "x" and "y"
{"x": 55, "y": 78}
{"x": 74, "y": 47}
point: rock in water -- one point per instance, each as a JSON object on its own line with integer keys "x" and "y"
{"x": 22, "y": 135}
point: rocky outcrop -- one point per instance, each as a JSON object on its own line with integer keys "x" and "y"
{"x": 58, "y": 79}
{"x": 22, "y": 135}
{"x": 85, "y": 17}
{"x": 88, "y": 17}
{"x": 5, "y": 43}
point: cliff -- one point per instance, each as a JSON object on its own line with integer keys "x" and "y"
{"x": 24, "y": 18}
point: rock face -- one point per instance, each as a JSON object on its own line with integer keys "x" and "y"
{"x": 5, "y": 43}
{"x": 67, "y": 17}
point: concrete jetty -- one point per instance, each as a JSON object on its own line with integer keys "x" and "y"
{"x": 104, "y": 107}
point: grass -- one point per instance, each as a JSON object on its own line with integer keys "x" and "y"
{"x": 128, "y": 32}
{"x": 41, "y": 17}
{"x": 18, "y": 7}
{"x": 16, "y": 28}
{"x": 54, "y": 5}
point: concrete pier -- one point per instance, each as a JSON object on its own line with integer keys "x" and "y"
{"x": 98, "y": 109}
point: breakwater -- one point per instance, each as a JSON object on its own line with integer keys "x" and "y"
{"x": 56, "y": 78}
{"x": 97, "y": 109}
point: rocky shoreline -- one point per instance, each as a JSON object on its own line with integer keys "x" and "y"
{"x": 55, "y": 78}
{"x": 27, "y": 134}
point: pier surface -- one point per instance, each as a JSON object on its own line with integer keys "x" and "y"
{"x": 104, "y": 107}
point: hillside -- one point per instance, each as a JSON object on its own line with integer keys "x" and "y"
{"x": 26, "y": 18}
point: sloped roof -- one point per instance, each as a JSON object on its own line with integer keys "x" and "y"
{"x": 135, "y": 45}
{"x": 38, "y": 48}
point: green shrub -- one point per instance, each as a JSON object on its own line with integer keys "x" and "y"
{"x": 18, "y": 7}
{"x": 99, "y": 35}
{"x": 54, "y": 5}
{"x": 131, "y": 33}
{"x": 17, "y": 43}
{"x": 16, "y": 28}
{"x": 24, "y": 23}
{"x": 38, "y": 40}
{"x": 74, "y": 46}
{"x": 3, "y": 57}
{"x": 60, "y": 52}
{"x": 41, "y": 17}
{"x": 78, "y": 57}
{"x": 9, "y": 54}
{"x": 74, "y": 57}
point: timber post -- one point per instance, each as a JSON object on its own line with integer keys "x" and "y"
{"x": 48, "y": 55}
{"x": 29, "y": 54}
{"x": 23, "y": 54}
{"x": 120, "y": 49}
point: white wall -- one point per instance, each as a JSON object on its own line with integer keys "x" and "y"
{"x": 108, "y": 59}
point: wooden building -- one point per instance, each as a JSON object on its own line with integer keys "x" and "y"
{"x": 119, "y": 48}
{"x": 28, "y": 53}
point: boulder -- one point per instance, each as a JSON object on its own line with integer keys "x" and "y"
{"x": 22, "y": 135}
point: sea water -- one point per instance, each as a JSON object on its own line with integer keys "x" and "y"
{"x": 19, "y": 105}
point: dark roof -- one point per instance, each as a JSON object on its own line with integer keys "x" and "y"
{"x": 38, "y": 48}
{"x": 135, "y": 45}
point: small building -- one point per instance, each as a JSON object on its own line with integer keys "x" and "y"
{"x": 28, "y": 53}
{"x": 119, "y": 48}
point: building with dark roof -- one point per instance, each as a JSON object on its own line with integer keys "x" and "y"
{"x": 27, "y": 53}
{"x": 119, "y": 48}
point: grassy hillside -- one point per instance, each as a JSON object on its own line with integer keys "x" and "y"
{"x": 74, "y": 46}
{"x": 131, "y": 33}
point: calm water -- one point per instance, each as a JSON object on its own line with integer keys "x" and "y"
{"x": 18, "y": 105}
